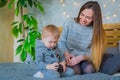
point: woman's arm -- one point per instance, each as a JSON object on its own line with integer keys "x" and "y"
{"x": 62, "y": 44}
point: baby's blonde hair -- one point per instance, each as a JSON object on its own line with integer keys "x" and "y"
{"x": 50, "y": 30}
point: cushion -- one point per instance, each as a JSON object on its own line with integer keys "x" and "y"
{"x": 110, "y": 64}
{"x": 112, "y": 50}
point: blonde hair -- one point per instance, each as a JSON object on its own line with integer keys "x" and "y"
{"x": 98, "y": 40}
{"x": 50, "y": 30}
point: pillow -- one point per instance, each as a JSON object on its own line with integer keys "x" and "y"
{"x": 112, "y": 50}
{"x": 110, "y": 64}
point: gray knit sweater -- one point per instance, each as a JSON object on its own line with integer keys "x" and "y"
{"x": 75, "y": 39}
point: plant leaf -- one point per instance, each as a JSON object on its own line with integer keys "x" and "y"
{"x": 14, "y": 23}
{"x": 33, "y": 53}
{"x": 23, "y": 55}
{"x": 20, "y": 40}
{"x": 20, "y": 28}
{"x": 15, "y": 31}
{"x": 29, "y": 22}
{"x": 11, "y": 4}
{"x": 34, "y": 22}
{"x": 19, "y": 49}
{"x": 30, "y": 3}
{"x": 17, "y": 11}
{"x": 35, "y": 5}
{"x": 25, "y": 17}
{"x": 26, "y": 44}
{"x": 38, "y": 34}
{"x": 29, "y": 50}
{"x": 32, "y": 41}
{"x": 41, "y": 9}
{"x": 23, "y": 3}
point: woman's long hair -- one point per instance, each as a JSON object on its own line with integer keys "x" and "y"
{"x": 98, "y": 40}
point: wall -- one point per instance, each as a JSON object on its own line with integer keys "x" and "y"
{"x": 56, "y": 11}
{"x": 6, "y": 38}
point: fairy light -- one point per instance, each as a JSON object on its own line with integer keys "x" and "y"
{"x": 61, "y": 1}
{"x": 114, "y": 15}
{"x": 75, "y": 3}
{"x": 105, "y": 5}
{"x": 68, "y": 16}
{"x": 63, "y": 4}
{"x": 64, "y": 13}
{"x": 107, "y": 17}
{"x": 113, "y": 0}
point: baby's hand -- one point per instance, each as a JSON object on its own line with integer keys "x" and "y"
{"x": 63, "y": 63}
{"x": 53, "y": 66}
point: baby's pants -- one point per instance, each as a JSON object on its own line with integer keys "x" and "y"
{"x": 55, "y": 74}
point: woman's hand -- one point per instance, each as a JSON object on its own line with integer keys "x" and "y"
{"x": 68, "y": 56}
{"x": 75, "y": 60}
{"x": 53, "y": 66}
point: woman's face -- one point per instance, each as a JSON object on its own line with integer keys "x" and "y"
{"x": 86, "y": 17}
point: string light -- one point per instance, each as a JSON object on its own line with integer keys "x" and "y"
{"x": 61, "y": 1}
{"x": 63, "y": 4}
{"x": 76, "y": 4}
{"x": 113, "y": 0}
{"x": 68, "y": 16}
{"x": 64, "y": 13}
{"x": 114, "y": 15}
{"x": 104, "y": 6}
{"x": 107, "y": 17}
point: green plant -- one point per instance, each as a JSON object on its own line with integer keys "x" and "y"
{"x": 3, "y": 3}
{"x": 27, "y": 27}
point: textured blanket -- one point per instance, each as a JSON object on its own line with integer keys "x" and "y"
{"x": 23, "y": 71}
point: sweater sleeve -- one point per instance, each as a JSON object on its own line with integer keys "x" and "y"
{"x": 62, "y": 57}
{"x": 62, "y": 44}
{"x": 39, "y": 57}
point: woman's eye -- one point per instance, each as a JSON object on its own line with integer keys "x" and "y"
{"x": 89, "y": 18}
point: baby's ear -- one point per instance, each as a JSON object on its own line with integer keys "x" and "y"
{"x": 42, "y": 36}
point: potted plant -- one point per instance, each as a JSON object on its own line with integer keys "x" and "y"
{"x": 27, "y": 27}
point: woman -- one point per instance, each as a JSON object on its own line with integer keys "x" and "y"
{"x": 82, "y": 38}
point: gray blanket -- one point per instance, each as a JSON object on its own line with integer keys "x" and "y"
{"x": 23, "y": 71}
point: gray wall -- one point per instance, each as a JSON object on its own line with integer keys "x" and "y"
{"x": 56, "y": 12}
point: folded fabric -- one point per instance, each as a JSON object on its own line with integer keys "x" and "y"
{"x": 117, "y": 74}
{"x": 38, "y": 74}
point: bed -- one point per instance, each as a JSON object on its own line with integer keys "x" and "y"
{"x": 25, "y": 71}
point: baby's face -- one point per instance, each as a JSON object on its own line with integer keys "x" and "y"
{"x": 50, "y": 41}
